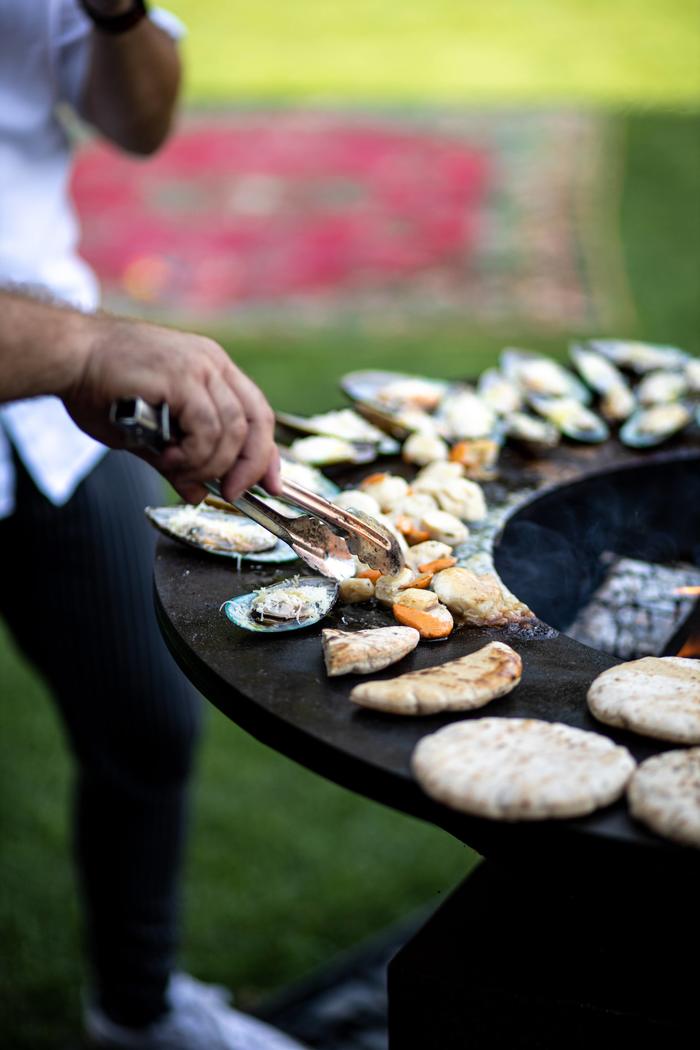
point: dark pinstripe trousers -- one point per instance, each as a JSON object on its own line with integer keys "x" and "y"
{"x": 77, "y": 596}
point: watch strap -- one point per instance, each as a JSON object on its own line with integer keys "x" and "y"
{"x": 115, "y": 24}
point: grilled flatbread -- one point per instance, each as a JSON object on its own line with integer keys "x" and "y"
{"x": 479, "y": 600}
{"x": 361, "y": 652}
{"x": 664, "y": 794}
{"x": 458, "y": 685}
{"x": 520, "y": 768}
{"x": 655, "y": 696}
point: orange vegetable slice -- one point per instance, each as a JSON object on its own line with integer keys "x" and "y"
{"x": 438, "y": 565}
{"x": 372, "y": 479}
{"x": 404, "y": 524}
{"x": 369, "y": 574}
{"x": 428, "y": 624}
{"x": 422, "y": 581}
{"x": 416, "y": 536}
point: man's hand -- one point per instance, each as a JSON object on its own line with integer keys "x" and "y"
{"x": 228, "y": 425}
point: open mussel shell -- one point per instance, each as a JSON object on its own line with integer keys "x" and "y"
{"x": 535, "y": 434}
{"x": 400, "y": 423}
{"x": 661, "y": 386}
{"x": 287, "y": 606}
{"x": 395, "y": 389}
{"x": 343, "y": 423}
{"x": 653, "y": 425}
{"x": 692, "y": 376}
{"x": 639, "y": 357}
{"x": 223, "y": 533}
{"x": 306, "y": 475}
{"x": 319, "y": 451}
{"x": 617, "y": 402}
{"x": 540, "y": 376}
{"x": 463, "y": 416}
{"x": 499, "y": 392}
{"x": 572, "y": 418}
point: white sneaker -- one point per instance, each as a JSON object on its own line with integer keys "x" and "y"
{"x": 199, "y": 1019}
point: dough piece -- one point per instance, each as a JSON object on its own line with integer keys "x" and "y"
{"x": 480, "y": 600}
{"x": 664, "y": 794}
{"x": 458, "y": 685}
{"x": 361, "y": 652}
{"x": 521, "y": 768}
{"x": 655, "y": 696}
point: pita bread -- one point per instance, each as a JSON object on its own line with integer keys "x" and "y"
{"x": 664, "y": 794}
{"x": 360, "y": 652}
{"x": 458, "y": 685}
{"x": 655, "y": 696}
{"x": 478, "y": 599}
{"x": 521, "y": 768}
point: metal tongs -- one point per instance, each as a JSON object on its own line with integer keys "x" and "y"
{"x": 326, "y": 538}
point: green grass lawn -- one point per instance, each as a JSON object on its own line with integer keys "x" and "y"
{"x": 286, "y": 869}
{"x": 617, "y": 52}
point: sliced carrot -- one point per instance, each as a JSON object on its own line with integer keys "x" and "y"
{"x": 404, "y": 524}
{"x": 438, "y": 565}
{"x": 369, "y": 574}
{"x": 416, "y": 536}
{"x": 461, "y": 451}
{"x": 420, "y": 582}
{"x": 427, "y": 625}
{"x": 372, "y": 479}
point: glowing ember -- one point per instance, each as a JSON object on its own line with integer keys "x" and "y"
{"x": 691, "y": 647}
{"x": 687, "y": 592}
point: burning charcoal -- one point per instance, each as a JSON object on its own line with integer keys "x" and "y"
{"x": 637, "y": 609}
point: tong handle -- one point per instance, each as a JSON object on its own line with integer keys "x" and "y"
{"x": 143, "y": 425}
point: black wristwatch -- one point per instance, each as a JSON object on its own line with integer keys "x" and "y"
{"x": 115, "y": 24}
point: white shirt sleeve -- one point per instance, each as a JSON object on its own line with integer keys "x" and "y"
{"x": 72, "y": 34}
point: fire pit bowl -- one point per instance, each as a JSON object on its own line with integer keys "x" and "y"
{"x": 276, "y": 687}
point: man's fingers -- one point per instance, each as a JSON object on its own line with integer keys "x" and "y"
{"x": 272, "y": 478}
{"x": 233, "y": 431}
{"x": 257, "y": 450}
{"x": 199, "y": 419}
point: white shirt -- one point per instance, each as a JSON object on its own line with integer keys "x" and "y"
{"x": 44, "y": 51}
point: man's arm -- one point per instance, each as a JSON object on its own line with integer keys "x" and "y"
{"x": 91, "y": 360}
{"x": 132, "y": 82}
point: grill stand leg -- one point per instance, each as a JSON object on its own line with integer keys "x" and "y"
{"x": 509, "y": 963}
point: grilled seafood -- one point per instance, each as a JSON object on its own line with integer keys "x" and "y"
{"x": 652, "y": 426}
{"x": 639, "y": 357}
{"x": 658, "y": 388}
{"x": 572, "y": 418}
{"x": 540, "y": 376}
{"x": 286, "y": 606}
{"x": 221, "y": 532}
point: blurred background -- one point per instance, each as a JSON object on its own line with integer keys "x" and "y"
{"x": 407, "y": 185}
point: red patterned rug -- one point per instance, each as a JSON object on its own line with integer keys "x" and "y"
{"x": 325, "y": 217}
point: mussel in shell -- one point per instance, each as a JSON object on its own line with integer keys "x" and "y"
{"x": 540, "y": 376}
{"x": 463, "y": 416}
{"x": 318, "y": 451}
{"x": 692, "y": 375}
{"x": 395, "y": 389}
{"x": 639, "y": 357}
{"x": 534, "y": 433}
{"x": 343, "y": 423}
{"x": 498, "y": 392}
{"x": 617, "y": 400}
{"x": 572, "y": 418}
{"x": 662, "y": 386}
{"x": 287, "y": 606}
{"x": 225, "y": 533}
{"x": 305, "y": 475}
{"x": 652, "y": 426}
